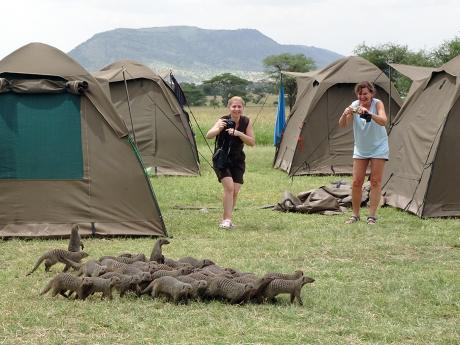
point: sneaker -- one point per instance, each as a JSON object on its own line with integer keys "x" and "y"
{"x": 226, "y": 224}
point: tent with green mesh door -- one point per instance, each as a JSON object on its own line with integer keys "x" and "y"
{"x": 312, "y": 141}
{"x": 65, "y": 154}
{"x": 154, "y": 117}
{"x": 423, "y": 173}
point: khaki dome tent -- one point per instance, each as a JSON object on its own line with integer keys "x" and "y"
{"x": 313, "y": 142}
{"x": 423, "y": 173}
{"x": 65, "y": 153}
{"x": 153, "y": 116}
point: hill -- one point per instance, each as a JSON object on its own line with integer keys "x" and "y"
{"x": 194, "y": 54}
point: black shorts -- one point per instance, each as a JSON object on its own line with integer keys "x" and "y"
{"x": 235, "y": 171}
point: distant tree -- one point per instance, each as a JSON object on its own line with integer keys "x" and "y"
{"x": 446, "y": 51}
{"x": 226, "y": 85}
{"x": 291, "y": 63}
{"x": 383, "y": 54}
{"x": 259, "y": 89}
{"x": 194, "y": 94}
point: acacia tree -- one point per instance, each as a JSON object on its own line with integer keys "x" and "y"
{"x": 194, "y": 94}
{"x": 274, "y": 64}
{"x": 226, "y": 85}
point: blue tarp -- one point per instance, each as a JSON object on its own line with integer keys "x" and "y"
{"x": 280, "y": 118}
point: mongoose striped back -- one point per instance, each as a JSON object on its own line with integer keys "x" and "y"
{"x": 63, "y": 282}
{"x": 292, "y": 287}
{"x": 290, "y": 276}
{"x": 59, "y": 255}
{"x": 228, "y": 289}
{"x": 172, "y": 288}
{"x": 174, "y": 273}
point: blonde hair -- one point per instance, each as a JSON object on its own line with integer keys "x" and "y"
{"x": 235, "y": 98}
{"x": 365, "y": 85}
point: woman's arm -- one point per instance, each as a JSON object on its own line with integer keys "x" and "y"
{"x": 381, "y": 117}
{"x": 216, "y": 129}
{"x": 248, "y": 138}
{"x": 346, "y": 117}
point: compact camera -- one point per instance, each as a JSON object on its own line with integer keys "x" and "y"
{"x": 229, "y": 123}
{"x": 366, "y": 116}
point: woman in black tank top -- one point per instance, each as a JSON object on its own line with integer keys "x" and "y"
{"x": 232, "y": 131}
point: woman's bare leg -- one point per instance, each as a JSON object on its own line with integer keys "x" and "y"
{"x": 359, "y": 174}
{"x": 377, "y": 166}
{"x": 228, "y": 197}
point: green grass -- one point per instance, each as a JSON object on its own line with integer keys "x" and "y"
{"x": 395, "y": 283}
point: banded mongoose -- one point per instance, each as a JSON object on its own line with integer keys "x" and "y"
{"x": 63, "y": 282}
{"x": 248, "y": 278}
{"x": 259, "y": 286}
{"x": 199, "y": 276}
{"x": 229, "y": 290}
{"x": 198, "y": 286}
{"x": 116, "y": 266}
{"x": 217, "y": 270}
{"x": 91, "y": 268}
{"x": 75, "y": 242}
{"x": 287, "y": 276}
{"x": 125, "y": 259}
{"x": 196, "y": 262}
{"x": 172, "y": 263}
{"x": 157, "y": 254}
{"x": 126, "y": 283}
{"x": 90, "y": 285}
{"x": 139, "y": 256}
{"x": 150, "y": 266}
{"x": 292, "y": 287}
{"x": 58, "y": 255}
{"x": 171, "y": 288}
{"x": 174, "y": 273}
{"x": 129, "y": 282}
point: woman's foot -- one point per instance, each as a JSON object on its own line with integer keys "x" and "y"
{"x": 226, "y": 224}
{"x": 372, "y": 220}
{"x": 352, "y": 219}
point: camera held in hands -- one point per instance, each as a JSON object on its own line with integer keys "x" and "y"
{"x": 366, "y": 116}
{"x": 229, "y": 123}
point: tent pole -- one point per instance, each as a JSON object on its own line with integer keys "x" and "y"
{"x": 129, "y": 106}
{"x": 389, "y": 96}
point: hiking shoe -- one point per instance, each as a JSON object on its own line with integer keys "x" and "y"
{"x": 226, "y": 224}
{"x": 352, "y": 219}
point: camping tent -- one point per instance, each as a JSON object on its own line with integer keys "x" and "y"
{"x": 153, "y": 116}
{"x": 65, "y": 153}
{"x": 416, "y": 73}
{"x": 422, "y": 175}
{"x": 312, "y": 141}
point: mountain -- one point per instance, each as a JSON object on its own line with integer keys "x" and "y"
{"x": 193, "y": 54}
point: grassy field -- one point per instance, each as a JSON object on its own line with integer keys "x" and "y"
{"x": 394, "y": 283}
{"x": 261, "y": 115}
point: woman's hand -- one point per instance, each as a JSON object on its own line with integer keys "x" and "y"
{"x": 362, "y": 110}
{"x": 221, "y": 124}
{"x": 233, "y": 132}
{"x": 346, "y": 117}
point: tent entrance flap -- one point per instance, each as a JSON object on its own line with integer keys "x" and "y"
{"x": 41, "y": 136}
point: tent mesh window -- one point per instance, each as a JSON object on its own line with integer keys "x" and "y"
{"x": 40, "y": 136}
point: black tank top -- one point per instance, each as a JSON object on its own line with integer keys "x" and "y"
{"x": 236, "y": 144}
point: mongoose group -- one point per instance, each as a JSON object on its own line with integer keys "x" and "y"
{"x": 179, "y": 281}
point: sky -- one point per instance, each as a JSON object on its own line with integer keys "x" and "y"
{"x": 337, "y": 25}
